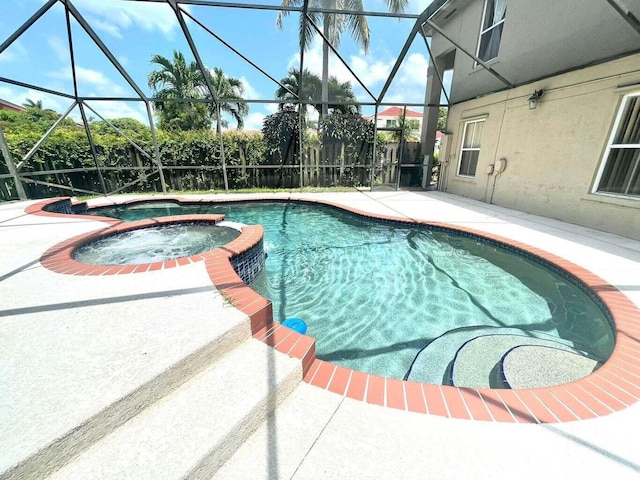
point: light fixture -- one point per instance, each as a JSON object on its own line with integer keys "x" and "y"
{"x": 535, "y": 98}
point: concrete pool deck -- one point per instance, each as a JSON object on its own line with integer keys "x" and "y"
{"x": 73, "y": 346}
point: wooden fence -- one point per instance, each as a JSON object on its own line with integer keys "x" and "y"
{"x": 330, "y": 165}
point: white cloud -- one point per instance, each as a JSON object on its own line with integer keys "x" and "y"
{"x": 253, "y": 121}
{"x": 413, "y": 70}
{"x": 60, "y": 48}
{"x": 15, "y": 52}
{"x": 371, "y": 71}
{"x": 114, "y": 16}
{"x": 91, "y": 82}
{"x": 271, "y": 108}
{"x": 110, "y": 110}
{"x": 249, "y": 91}
{"x": 19, "y": 96}
{"x": 313, "y": 63}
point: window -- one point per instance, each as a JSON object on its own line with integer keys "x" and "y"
{"x": 620, "y": 172}
{"x": 470, "y": 150}
{"x": 491, "y": 31}
{"x": 391, "y": 123}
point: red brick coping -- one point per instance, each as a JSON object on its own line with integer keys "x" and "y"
{"x": 611, "y": 388}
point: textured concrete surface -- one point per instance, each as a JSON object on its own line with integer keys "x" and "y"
{"x": 191, "y": 431}
{"x": 477, "y": 359}
{"x": 78, "y": 355}
{"x": 322, "y": 435}
{"x": 534, "y": 366}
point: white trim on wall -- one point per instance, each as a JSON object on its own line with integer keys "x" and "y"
{"x": 473, "y": 148}
{"x": 618, "y": 146}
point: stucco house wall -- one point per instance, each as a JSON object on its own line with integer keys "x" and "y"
{"x": 553, "y": 152}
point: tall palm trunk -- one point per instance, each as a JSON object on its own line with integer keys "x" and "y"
{"x": 325, "y": 66}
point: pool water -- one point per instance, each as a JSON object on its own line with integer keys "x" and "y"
{"x": 155, "y": 244}
{"x": 376, "y": 295}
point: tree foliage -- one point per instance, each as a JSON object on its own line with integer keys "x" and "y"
{"x": 175, "y": 79}
{"x": 281, "y": 133}
{"x": 333, "y": 27}
{"x": 340, "y": 93}
{"x": 442, "y": 118}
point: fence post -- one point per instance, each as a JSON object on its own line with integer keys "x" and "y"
{"x": 11, "y": 166}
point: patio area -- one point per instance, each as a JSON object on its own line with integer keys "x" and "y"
{"x": 127, "y": 376}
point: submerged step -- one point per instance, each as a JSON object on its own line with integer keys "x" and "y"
{"x": 540, "y": 366}
{"x": 194, "y": 430}
{"x": 433, "y": 364}
{"x": 476, "y": 363}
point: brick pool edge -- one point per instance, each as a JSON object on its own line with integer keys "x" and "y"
{"x": 613, "y": 387}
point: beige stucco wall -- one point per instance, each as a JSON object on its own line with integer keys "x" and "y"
{"x": 553, "y": 152}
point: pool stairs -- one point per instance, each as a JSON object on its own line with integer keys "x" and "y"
{"x": 187, "y": 430}
{"x": 478, "y": 357}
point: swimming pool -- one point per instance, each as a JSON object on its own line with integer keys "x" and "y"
{"x": 403, "y": 301}
{"x": 155, "y": 244}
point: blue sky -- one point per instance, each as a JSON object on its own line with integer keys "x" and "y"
{"x": 134, "y": 31}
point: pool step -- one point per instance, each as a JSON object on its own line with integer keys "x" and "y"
{"x": 434, "y": 363}
{"x": 191, "y": 432}
{"x": 540, "y": 366}
{"x": 477, "y": 362}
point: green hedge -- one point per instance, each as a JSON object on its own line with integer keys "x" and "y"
{"x": 196, "y": 156}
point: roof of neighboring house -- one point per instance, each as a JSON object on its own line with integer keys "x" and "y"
{"x": 5, "y": 105}
{"x": 397, "y": 112}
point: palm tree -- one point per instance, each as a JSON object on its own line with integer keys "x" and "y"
{"x": 311, "y": 86}
{"x": 228, "y": 88}
{"x": 31, "y": 104}
{"x": 339, "y": 93}
{"x": 175, "y": 79}
{"x": 333, "y": 26}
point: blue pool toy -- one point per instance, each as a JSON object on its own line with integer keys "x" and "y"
{"x": 296, "y": 324}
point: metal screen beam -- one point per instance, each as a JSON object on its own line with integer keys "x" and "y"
{"x": 25, "y": 26}
{"x": 399, "y": 60}
{"x": 435, "y": 66}
{"x": 87, "y": 28}
{"x": 11, "y": 166}
{"x": 335, "y": 52}
{"x": 33, "y": 150}
{"x": 58, "y": 185}
{"x": 134, "y": 144}
{"x": 237, "y": 52}
{"x": 468, "y": 53}
{"x": 35, "y": 87}
{"x": 194, "y": 50}
{"x": 156, "y": 149}
{"x": 93, "y": 147}
{"x": 301, "y": 106}
{"x": 222, "y": 159}
{"x": 137, "y": 180}
{"x": 374, "y": 159}
{"x": 253, "y": 6}
{"x": 72, "y": 56}
{"x": 628, "y": 16}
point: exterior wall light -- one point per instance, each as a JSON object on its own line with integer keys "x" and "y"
{"x": 535, "y": 98}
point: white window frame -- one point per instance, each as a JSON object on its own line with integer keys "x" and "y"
{"x": 482, "y": 32}
{"x": 611, "y": 145}
{"x": 469, "y": 149}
